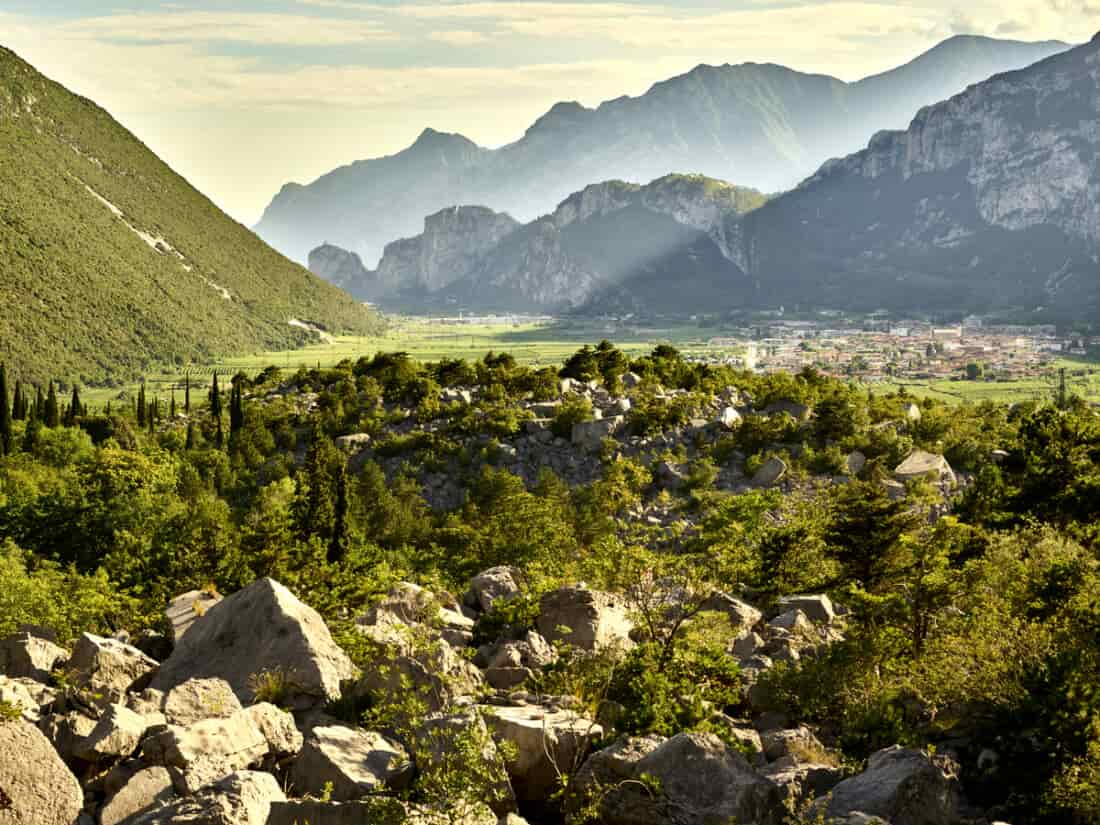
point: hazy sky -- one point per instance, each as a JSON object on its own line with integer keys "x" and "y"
{"x": 241, "y": 96}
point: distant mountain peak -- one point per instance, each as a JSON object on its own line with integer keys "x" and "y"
{"x": 432, "y": 139}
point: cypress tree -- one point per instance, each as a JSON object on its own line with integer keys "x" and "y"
{"x": 236, "y": 409}
{"x": 141, "y": 405}
{"x": 187, "y": 393}
{"x": 190, "y": 435}
{"x": 338, "y": 544}
{"x": 39, "y": 404}
{"x": 172, "y": 405}
{"x": 107, "y": 411}
{"x": 75, "y": 408}
{"x": 5, "y": 413}
{"x": 53, "y": 411}
{"x": 30, "y": 435}
{"x": 216, "y": 410}
{"x": 19, "y": 403}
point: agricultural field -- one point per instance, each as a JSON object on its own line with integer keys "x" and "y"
{"x": 532, "y": 342}
{"x": 1082, "y": 379}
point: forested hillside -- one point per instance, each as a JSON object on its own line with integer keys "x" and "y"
{"x": 600, "y": 594}
{"x": 110, "y": 262}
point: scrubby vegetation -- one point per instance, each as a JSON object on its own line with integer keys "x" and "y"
{"x": 971, "y": 604}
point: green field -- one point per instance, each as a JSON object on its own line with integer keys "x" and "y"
{"x": 551, "y": 342}
{"x": 534, "y": 343}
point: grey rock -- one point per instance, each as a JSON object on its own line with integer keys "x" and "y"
{"x": 355, "y": 762}
{"x": 185, "y": 609}
{"x": 146, "y": 790}
{"x": 115, "y": 736}
{"x": 26, "y": 656}
{"x": 585, "y": 619}
{"x": 242, "y": 798}
{"x": 261, "y": 628}
{"x": 102, "y": 671}
{"x": 38, "y": 788}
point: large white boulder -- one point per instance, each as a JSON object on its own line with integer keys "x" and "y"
{"x": 115, "y": 736}
{"x": 187, "y": 608}
{"x": 492, "y": 584}
{"x": 198, "y": 699}
{"x": 144, "y": 791}
{"x": 38, "y": 789}
{"x": 262, "y": 628}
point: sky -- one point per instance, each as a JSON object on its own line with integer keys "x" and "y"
{"x": 242, "y": 96}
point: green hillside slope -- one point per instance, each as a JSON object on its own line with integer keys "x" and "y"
{"x": 111, "y": 262}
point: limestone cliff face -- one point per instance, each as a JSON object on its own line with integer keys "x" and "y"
{"x": 343, "y": 269}
{"x": 595, "y": 240}
{"x": 988, "y": 200}
{"x": 453, "y": 240}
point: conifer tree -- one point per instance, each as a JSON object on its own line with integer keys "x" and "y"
{"x": 53, "y": 411}
{"x": 30, "y": 434}
{"x": 187, "y": 393}
{"x": 216, "y": 411}
{"x": 39, "y": 404}
{"x": 172, "y": 406}
{"x": 236, "y": 409}
{"x": 141, "y": 405}
{"x": 19, "y": 403}
{"x": 75, "y": 408}
{"x": 338, "y": 544}
{"x": 190, "y": 435}
{"x": 5, "y": 413}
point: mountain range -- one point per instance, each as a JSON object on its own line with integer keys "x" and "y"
{"x": 989, "y": 201}
{"x": 763, "y": 126}
{"x": 112, "y": 262}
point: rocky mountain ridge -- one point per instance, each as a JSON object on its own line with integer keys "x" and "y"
{"x": 763, "y": 126}
{"x": 591, "y": 243}
{"x": 987, "y": 202}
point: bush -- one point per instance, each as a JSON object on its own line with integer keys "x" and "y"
{"x": 574, "y": 409}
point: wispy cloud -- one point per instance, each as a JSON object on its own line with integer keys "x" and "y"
{"x": 460, "y": 37}
{"x": 229, "y": 27}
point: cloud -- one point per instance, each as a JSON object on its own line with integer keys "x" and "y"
{"x": 460, "y": 37}
{"x": 228, "y": 27}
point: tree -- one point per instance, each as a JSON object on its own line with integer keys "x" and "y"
{"x": 190, "y": 445}
{"x": 141, "y": 405}
{"x": 19, "y": 403}
{"x": 864, "y": 528}
{"x": 187, "y": 394}
{"x": 53, "y": 411}
{"x": 216, "y": 410}
{"x": 974, "y": 371}
{"x": 236, "y": 408}
{"x": 338, "y": 543}
{"x": 172, "y": 405}
{"x": 39, "y": 404}
{"x": 5, "y": 413}
{"x": 75, "y": 408}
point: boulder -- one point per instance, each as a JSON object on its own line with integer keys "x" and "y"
{"x": 116, "y": 735}
{"x": 589, "y": 435}
{"x": 25, "y": 656}
{"x": 585, "y": 619}
{"x": 630, "y": 380}
{"x": 198, "y": 699}
{"x": 38, "y": 789}
{"x": 903, "y": 786}
{"x": 548, "y": 743}
{"x": 771, "y": 472}
{"x": 925, "y": 465}
{"x": 742, "y": 615}
{"x": 146, "y": 790}
{"x": 912, "y": 412}
{"x": 435, "y": 672}
{"x": 278, "y": 729}
{"x": 185, "y": 609}
{"x": 208, "y": 750}
{"x": 729, "y": 418}
{"x": 242, "y": 798}
{"x": 701, "y": 781}
{"x": 802, "y": 782}
{"x": 793, "y": 621}
{"x": 354, "y": 443}
{"x": 495, "y": 583}
{"x": 28, "y": 696}
{"x": 66, "y": 731}
{"x": 355, "y": 762}
{"x": 102, "y": 671}
{"x": 818, "y": 609}
{"x": 443, "y": 742}
{"x": 262, "y": 628}
{"x": 316, "y": 812}
{"x": 799, "y": 744}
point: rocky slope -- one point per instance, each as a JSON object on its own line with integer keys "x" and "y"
{"x": 677, "y": 228}
{"x": 112, "y": 262}
{"x": 988, "y": 200}
{"x": 764, "y": 126}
